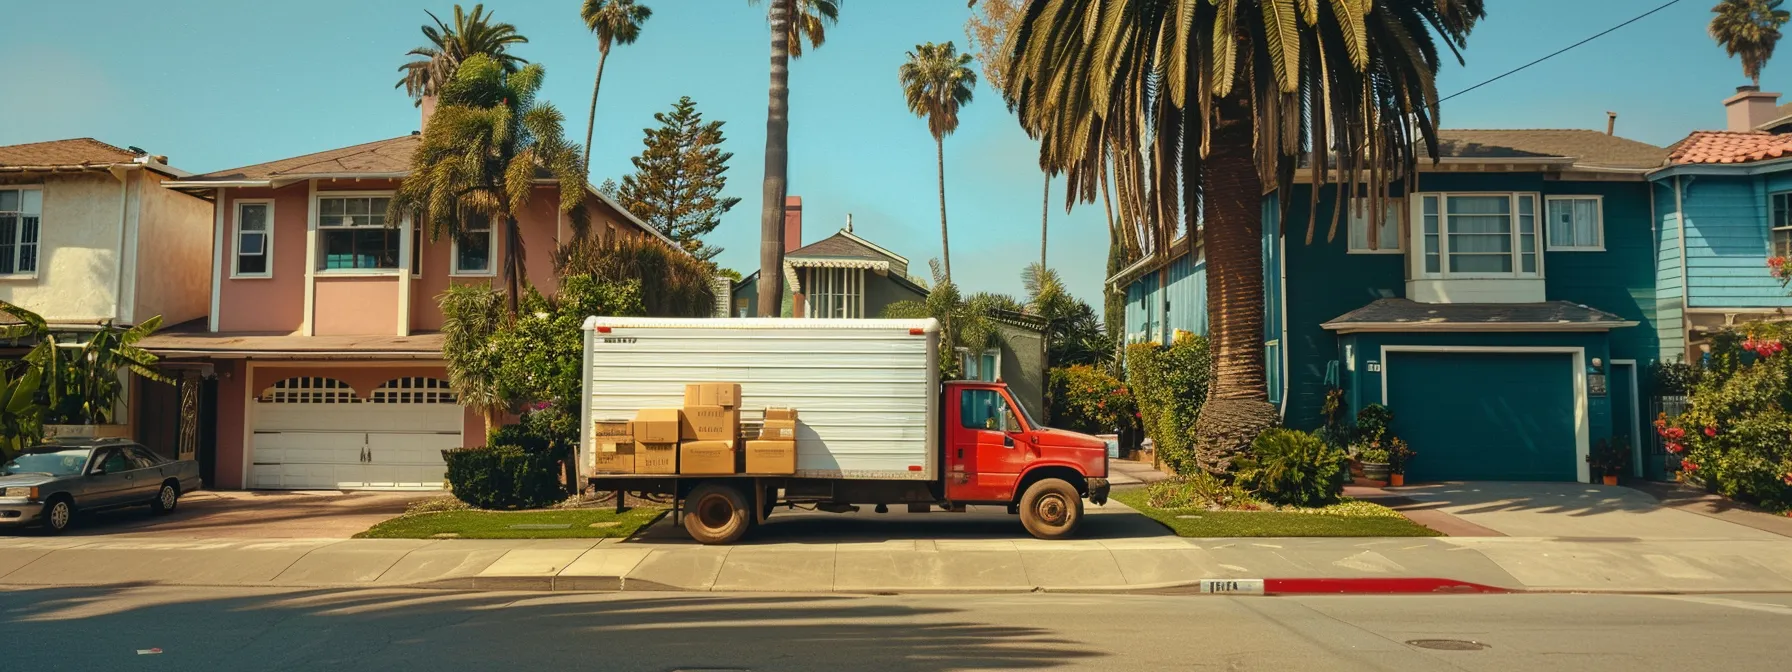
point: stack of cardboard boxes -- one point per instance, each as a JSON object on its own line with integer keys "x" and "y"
{"x": 703, "y": 437}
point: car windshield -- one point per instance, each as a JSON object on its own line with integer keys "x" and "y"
{"x": 64, "y": 462}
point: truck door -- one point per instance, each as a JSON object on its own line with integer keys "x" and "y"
{"x": 985, "y": 460}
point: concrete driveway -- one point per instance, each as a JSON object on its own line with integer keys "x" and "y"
{"x": 253, "y": 514}
{"x": 1572, "y": 510}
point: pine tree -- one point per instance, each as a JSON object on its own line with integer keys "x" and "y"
{"x": 679, "y": 177}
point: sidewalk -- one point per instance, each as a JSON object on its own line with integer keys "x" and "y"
{"x": 1006, "y": 563}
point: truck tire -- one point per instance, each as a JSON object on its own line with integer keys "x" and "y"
{"x": 716, "y": 513}
{"x": 1051, "y": 509}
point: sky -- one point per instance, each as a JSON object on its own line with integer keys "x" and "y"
{"x": 217, "y": 84}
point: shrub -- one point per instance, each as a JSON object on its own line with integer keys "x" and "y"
{"x": 1169, "y": 383}
{"x": 540, "y": 352}
{"x": 1200, "y": 490}
{"x": 504, "y": 477}
{"x": 672, "y": 283}
{"x": 1735, "y": 436}
{"x": 1294, "y": 468}
{"x": 1086, "y": 399}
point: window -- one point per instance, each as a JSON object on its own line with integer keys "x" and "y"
{"x": 20, "y": 213}
{"x": 1388, "y": 242}
{"x": 355, "y": 235}
{"x": 473, "y": 249}
{"x": 1576, "y": 223}
{"x": 254, "y": 239}
{"x": 985, "y": 366}
{"x": 981, "y": 409}
{"x": 112, "y": 461}
{"x": 1478, "y": 235}
{"x": 1782, "y": 224}
{"x": 836, "y": 292}
{"x": 142, "y": 458}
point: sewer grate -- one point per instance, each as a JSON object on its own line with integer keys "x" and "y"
{"x": 1447, "y": 644}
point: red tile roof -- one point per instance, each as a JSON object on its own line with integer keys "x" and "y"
{"x": 74, "y": 152}
{"x": 1730, "y": 147}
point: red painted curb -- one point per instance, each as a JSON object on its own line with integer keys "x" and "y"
{"x": 1415, "y": 585}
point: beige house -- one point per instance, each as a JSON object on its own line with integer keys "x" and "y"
{"x": 88, "y": 234}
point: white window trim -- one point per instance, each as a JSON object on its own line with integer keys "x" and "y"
{"x": 1416, "y": 237}
{"x": 454, "y": 269}
{"x": 1400, "y": 242}
{"x": 1771, "y": 229}
{"x": 318, "y": 229}
{"x": 1598, "y": 226}
{"x": 20, "y": 229}
{"x": 236, "y": 239}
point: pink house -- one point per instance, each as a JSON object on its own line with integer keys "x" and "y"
{"x": 323, "y": 327}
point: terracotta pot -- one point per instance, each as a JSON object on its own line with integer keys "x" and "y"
{"x": 1609, "y": 479}
{"x": 1396, "y": 480}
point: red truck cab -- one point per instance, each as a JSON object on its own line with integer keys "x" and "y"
{"x": 998, "y": 454}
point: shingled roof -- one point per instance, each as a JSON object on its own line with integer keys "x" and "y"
{"x": 843, "y": 246}
{"x": 64, "y": 153}
{"x": 1730, "y": 147}
{"x": 389, "y": 157}
{"x": 1584, "y": 147}
{"x": 1409, "y": 315}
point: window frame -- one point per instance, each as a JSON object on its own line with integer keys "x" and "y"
{"x": 491, "y": 260}
{"x": 18, "y": 233}
{"x": 1598, "y": 223}
{"x": 236, "y": 240}
{"x": 828, "y": 283}
{"x": 1399, "y": 207}
{"x": 1773, "y": 227}
{"x": 318, "y": 230}
{"x": 1416, "y": 236}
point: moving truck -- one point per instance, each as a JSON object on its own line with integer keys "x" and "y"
{"x": 874, "y": 423}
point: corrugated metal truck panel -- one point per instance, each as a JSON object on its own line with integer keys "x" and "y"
{"x": 866, "y": 391}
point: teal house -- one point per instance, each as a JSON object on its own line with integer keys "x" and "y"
{"x": 1505, "y": 309}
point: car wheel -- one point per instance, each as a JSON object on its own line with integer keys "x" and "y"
{"x": 166, "y": 499}
{"x": 1051, "y": 509}
{"x": 59, "y": 514}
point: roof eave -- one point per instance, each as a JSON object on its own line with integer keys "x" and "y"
{"x": 1748, "y": 168}
{"x": 1504, "y": 327}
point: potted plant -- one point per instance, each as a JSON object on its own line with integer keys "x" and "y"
{"x": 1398, "y": 454}
{"x": 1375, "y": 461}
{"x": 1610, "y": 458}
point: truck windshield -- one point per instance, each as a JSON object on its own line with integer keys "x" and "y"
{"x": 65, "y": 462}
{"x": 982, "y": 409}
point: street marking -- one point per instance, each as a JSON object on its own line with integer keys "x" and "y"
{"x": 1736, "y": 604}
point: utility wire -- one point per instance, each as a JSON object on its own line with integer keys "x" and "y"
{"x": 1559, "y": 52}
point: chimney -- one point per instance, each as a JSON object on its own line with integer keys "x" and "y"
{"x": 428, "y": 106}
{"x": 849, "y": 222}
{"x": 793, "y": 223}
{"x": 1611, "y": 123}
{"x": 1750, "y": 108}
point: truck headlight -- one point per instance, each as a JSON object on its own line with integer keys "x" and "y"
{"x": 19, "y": 491}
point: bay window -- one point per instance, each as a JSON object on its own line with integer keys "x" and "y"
{"x": 21, "y": 211}
{"x": 1477, "y": 235}
{"x": 353, "y": 234}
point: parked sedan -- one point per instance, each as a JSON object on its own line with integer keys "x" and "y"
{"x": 52, "y": 483}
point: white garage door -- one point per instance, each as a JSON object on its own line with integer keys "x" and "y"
{"x": 315, "y": 433}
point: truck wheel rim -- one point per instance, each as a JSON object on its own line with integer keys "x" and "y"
{"x": 59, "y": 515}
{"x": 1052, "y": 509}
{"x": 167, "y": 497}
{"x": 714, "y": 512}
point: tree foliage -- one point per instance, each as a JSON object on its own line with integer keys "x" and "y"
{"x": 987, "y": 34}
{"x": 78, "y": 377}
{"x": 679, "y": 177}
{"x": 472, "y": 316}
{"x": 473, "y": 34}
{"x": 1294, "y": 468}
{"x": 964, "y": 321}
{"x": 1170, "y": 384}
{"x": 541, "y": 351}
{"x": 672, "y": 283}
{"x": 809, "y": 21}
{"x": 1749, "y": 29}
{"x": 1074, "y": 335}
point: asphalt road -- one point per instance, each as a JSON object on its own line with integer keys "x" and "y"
{"x": 120, "y": 628}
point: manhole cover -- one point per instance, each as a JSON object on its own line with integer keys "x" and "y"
{"x": 1447, "y": 644}
{"x": 542, "y": 526}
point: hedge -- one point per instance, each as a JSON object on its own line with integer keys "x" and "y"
{"x": 504, "y": 477}
{"x": 1169, "y": 383}
{"x": 1735, "y": 436}
{"x": 1088, "y": 400}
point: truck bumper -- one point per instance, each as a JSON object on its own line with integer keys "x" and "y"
{"x": 1098, "y": 491}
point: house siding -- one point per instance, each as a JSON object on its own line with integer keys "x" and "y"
{"x": 77, "y": 259}
{"x": 1728, "y": 241}
{"x": 1670, "y": 286}
{"x": 173, "y": 251}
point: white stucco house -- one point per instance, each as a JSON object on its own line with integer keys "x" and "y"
{"x": 88, "y": 234}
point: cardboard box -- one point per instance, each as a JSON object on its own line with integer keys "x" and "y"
{"x": 771, "y": 457}
{"x": 614, "y": 457}
{"x": 778, "y": 430}
{"x": 656, "y": 458}
{"x": 706, "y": 457}
{"x": 712, "y": 394}
{"x": 657, "y": 425}
{"x": 777, "y": 413}
{"x": 709, "y": 423}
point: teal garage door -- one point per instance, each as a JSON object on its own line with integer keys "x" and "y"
{"x": 1484, "y": 416}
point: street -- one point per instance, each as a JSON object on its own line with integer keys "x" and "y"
{"x": 170, "y": 628}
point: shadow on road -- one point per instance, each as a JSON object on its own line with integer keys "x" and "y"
{"x": 394, "y": 629}
{"x": 787, "y": 526}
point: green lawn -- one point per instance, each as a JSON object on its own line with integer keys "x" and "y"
{"x": 1204, "y": 523}
{"x": 499, "y": 524}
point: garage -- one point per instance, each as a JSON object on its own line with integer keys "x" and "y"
{"x": 1486, "y": 415}
{"x": 317, "y": 433}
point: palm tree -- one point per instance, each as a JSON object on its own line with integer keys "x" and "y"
{"x": 614, "y": 22}
{"x": 472, "y": 34}
{"x": 482, "y": 155}
{"x": 1750, "y": 29}
{"x": 937, "y": 80}
{"x": 471, "y": 315}
{"x": 1194, "y": 106}
{"x": 964, "y": 320}
{"x": 792, "y": 23}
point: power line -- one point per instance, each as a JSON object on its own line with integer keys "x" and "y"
{"x": 1559, "y": 52}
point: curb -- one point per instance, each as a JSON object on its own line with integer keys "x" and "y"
{"x": 1349, "y": 586}
{"x": 1261, "y": 587}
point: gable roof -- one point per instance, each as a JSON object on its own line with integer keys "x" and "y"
{"x": 1730, "y": 147}
{"x": 1584, "y": 148}
{"x": 383, "y": 158}
{"x": 844, "y": 245}
{"x": 75, "y": 154}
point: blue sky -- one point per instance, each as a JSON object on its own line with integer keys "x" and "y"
{"x": 221, "y": 83}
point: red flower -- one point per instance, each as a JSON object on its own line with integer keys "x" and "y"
{"x": 1749, "y": 344}
{"x": 1710, "y": 431}
{"x": 1675, "y": 433}
{"x": 1675, "y": 447}
{"x": 1688, "y": 465}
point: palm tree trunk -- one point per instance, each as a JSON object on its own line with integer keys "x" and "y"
{"x": 1045, "y": 217}
{"x": 1237, "y": 407}
{"x": 513, "y": 262}
{"x": 777, "y": 148}
{"x": 939, "y": 146}
{"x": 603, "y": 54}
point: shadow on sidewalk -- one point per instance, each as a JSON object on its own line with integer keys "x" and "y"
{"x": 399, "y": 629}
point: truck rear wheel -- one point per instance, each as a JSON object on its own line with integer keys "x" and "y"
{"x": 716, "y": 513}
{"x": 1051, "y": 509}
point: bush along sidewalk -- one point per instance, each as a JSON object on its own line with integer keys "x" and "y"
{"x": 1731, "y": 439}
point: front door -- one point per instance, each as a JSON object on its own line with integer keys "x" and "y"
{"x": 986, "y": 460}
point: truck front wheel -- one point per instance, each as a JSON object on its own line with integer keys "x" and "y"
{"x": 715, "y": 513}
{"x": 1051, "y": 509}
